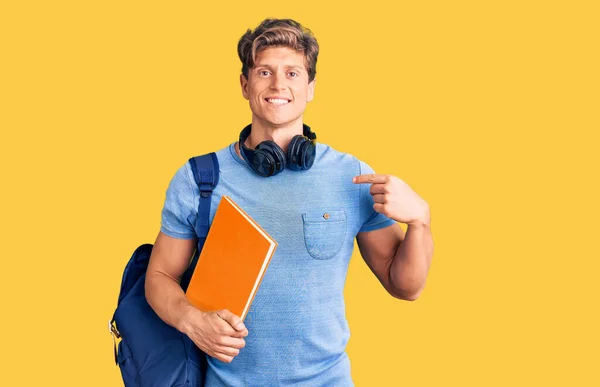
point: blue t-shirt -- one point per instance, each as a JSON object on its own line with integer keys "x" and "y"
{"x": 297, "y": 324}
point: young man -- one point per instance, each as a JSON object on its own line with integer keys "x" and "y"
{"x": 314, "y": 201}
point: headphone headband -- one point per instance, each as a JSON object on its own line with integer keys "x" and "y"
{"x": 246, "y": 132}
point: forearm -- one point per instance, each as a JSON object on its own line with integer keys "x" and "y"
{"x": 409, "y": 268}
{"x": 165, "y": 296}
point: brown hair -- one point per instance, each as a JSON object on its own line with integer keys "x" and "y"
{"x": 279, "y": 32}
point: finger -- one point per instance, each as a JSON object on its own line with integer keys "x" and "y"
{"x": 240, "y": 334}
{"x": 228, "y": 351}
{"x": 379, "y": 198}
{"x": 378, "y": 189}
{"x": 223, "y": 357}
{"x": 370, "y": 178}
{"x": 232, "y": 342}
{"x": 230, "y": 332}
{"x": 232, "y": 319}
{"x": 380, "y": 208}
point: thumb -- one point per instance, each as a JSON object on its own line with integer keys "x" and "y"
{"x": 232, "y": 319}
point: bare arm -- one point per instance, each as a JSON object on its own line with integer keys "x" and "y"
{"x": 412, "y": 261}
{"x": 169, "y": 260}
{"x": 400, "y": 261}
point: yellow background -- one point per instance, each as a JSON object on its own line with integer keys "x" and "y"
{"x": 488, "y": 110}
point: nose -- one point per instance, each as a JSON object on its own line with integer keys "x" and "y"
{"x": 278, "y": 82}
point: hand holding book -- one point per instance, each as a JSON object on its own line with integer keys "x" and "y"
{"x": 219, "y": 334}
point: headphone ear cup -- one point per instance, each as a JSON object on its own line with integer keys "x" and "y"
{"x": 263, "y": 163}
{"x": 308, "y": 153}
{"x": 276, "y": 154}
{"x": 294, "y": 156}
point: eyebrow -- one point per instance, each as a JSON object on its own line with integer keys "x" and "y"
{"x": 287, "y": 66}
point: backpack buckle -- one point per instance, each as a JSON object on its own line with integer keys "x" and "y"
{"x": 113, "y": 330}
{"x": 206, "y": 189}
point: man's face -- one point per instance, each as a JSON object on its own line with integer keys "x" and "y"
{"x": 277, "y": 87}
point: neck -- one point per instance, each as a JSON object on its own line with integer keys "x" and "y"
{"x": 280, "y": 134}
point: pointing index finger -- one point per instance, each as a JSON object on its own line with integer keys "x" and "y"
{"x": 369, "y": 178}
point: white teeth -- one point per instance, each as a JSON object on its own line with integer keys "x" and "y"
{"x": 277, "y": 101}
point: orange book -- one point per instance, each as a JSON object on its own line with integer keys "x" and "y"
{"x": 232, "y": 263}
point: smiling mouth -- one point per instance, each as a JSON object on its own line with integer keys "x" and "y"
{"x": 277, "y": 101}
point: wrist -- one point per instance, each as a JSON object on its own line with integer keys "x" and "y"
{"x": 185, "y": 316}
{"x": 422, "y": 220}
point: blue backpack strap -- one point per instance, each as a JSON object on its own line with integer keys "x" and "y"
{"x": 206, "y": 173}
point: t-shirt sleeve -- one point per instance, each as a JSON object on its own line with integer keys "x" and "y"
{"x": 371, "y": 219}
{"x": 179, "y": 211}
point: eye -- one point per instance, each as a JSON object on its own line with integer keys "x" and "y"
{"x": 293, "y": 74}
{"x": 263, "y": 72}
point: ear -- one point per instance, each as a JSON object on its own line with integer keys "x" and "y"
{"x": 244, "y": 85}
{"x": 311, "y": 90}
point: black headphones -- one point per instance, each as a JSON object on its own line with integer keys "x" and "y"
{"x": 268, "y": 159}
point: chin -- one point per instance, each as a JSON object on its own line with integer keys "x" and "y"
{"x": 279, "y": 121}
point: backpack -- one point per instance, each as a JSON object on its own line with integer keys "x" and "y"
{"x": 151, "y": 352}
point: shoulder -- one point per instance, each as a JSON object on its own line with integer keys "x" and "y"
{"x": 225, "y": 160}
{"x": 183, "y": 179}
{"x": 328, "y": 155}
{"x": 223, "y": 154}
